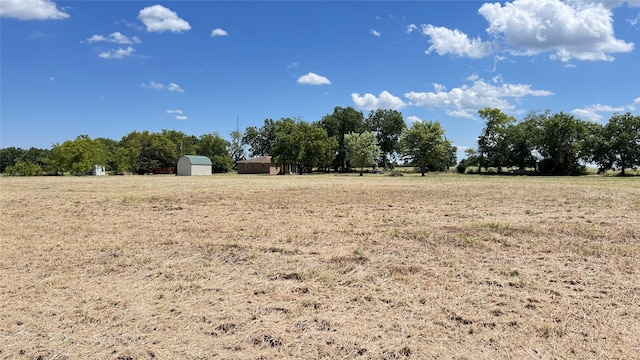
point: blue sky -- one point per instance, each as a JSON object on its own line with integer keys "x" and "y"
{"x": 106, "y": 68}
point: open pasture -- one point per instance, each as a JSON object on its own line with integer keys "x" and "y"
{"x": 319, "y": 266}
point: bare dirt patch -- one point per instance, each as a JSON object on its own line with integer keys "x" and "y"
{"x": 257, "y": 267}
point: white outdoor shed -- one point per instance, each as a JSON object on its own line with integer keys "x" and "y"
{"x": 192, "y": 165}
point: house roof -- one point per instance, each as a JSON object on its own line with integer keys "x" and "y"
{"x": 257, "y": 160}
{"x": 198, "y": 160}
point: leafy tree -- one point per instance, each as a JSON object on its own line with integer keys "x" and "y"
{"x": 9, "y": 157}
{"x": 215, "y": 147}
{"x": 23, "y": 168}
{"x": 341, "y": 122}
{"x": 618, "y": 143}
{"x": 235, "y": 148}
{"x": 76, "y": 157}
{"x": 109, "y": 148}
{"x": 387, "y": 125}
{"x": 362, "y": 149}
{"x": 126, "y": 159}
{"x": 288, "y": 146}
{"x": 492, "y": 142}
{"x": 154, "y": 150}
{"x": 561, "y": 143}
{"x": 424, "y": 145}
{"x": 260, "y": 141}
{"x": 185, "y": 144}
{"x": 319, "y": 149}
{"x": 521, "y": 143}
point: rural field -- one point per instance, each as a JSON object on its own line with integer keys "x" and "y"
{"x": 320, "y": 266}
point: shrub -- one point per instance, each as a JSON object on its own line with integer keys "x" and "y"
{"x": 22, "y": 168}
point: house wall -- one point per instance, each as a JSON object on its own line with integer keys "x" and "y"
{"x": 258, "y": 168}
{"x": 200, "y": 170}
{"x": 184, "y": 167}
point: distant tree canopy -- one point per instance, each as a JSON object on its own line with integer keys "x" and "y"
{"x": 556, "y": 144}
{"x": 542, "y": 143}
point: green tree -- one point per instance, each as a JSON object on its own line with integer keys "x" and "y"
{"x": 319, "y": 149}
{"x": 9, "y": 157}
{"x": 260, "y": 141}
{"x": 154, "y": 150}
{"x": 561, "y": 144}
{"x": 341, "y": 122}
{"x": 387, "y": 125}
{"x": 521, "y": 144}
{"x": 235, "y": 148}
{"x": 185, "y": 144}
{"x": 425, "y": 146}
{"x": 76, "y": 157}
{"x": 23, "y": 168}
{"x": 492, "y": 142}
{"x": 362, "y": 149}
{"x": 618, "y": 143}
{"x": 215, "y": 148}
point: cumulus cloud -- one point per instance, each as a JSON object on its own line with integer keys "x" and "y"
{"x": 571, "y": 30}
{"x": 384, "y": 101}
{"x": 467, "y": 99}
{"x": 375, "y": 33}
{"x": 117, "y": 53}
{"x": 568, "y": 30}
{"x": 414, "y": 119}
{"x": 158, "y": 18}
{"x": 313, "y": 79}
{"x": 158, "y": 86}
{"x": 636, "y": 101}
{"x": 31, "y": 10}
{"x": 115, "y": 37}
{"x": 593, "y": 112}
{"x": 218, "y": 32}
{"x": 445, "y": 41}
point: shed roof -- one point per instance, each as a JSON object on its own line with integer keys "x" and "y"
{"x": 198, "y": 160}
{"x": 257, "y": 160}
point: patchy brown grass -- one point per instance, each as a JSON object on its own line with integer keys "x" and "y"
{"x": 321, "y": 266}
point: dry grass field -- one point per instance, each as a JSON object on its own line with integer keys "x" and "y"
{"x": 319, "y": 266}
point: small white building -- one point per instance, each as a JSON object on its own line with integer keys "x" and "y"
{"x": 192, "y": 165}
{"x": 98, "y": 170}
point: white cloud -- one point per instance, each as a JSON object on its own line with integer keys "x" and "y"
{"x": 158, "y": 86}
{"x": 153, "y": 85}
{"x": 375, "y": 33}
{"x": 115, "y": 37}
{"x": 571, "y": 30}
{"x": 174, "y": 87}
{"x": 636, "y": 101}
{"x": 178, "y": 113}
{"x": 467, "y": 99}
{"x": 313, "y": 79}
{"x": 218, "y": 32}
{"x": 293, "y": 65}
{"x": 445, "y": 41}
{"x": 414, "y": 119}
{"x": 158, "y": 18}
{"x": 31, "y": 10}
{"x": 117, "y": 53}
{"x": 384, "y": 101}
{"x": 592, "y": 112}
{"x": 411, "y": 28}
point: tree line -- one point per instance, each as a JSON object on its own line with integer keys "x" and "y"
{"x": 544, "y": 143}
{"x": 555, "y": 144}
